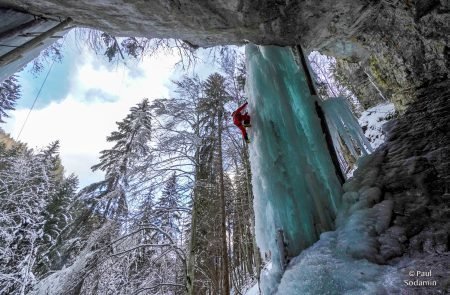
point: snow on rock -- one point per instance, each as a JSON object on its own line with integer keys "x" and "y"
{"x": 249, "y": 286}
{"x": 253, "y": 290}
{"x": 325, "y": 269}
{"x": 372, "y": 121}
{"x": 393, "y": 221}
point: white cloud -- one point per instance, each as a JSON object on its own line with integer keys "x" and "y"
{"x": 82, "y": 123}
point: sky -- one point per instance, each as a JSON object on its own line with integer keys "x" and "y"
{"x": 82, "y": 99}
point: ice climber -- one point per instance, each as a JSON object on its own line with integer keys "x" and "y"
{"x": 242, "y": 120}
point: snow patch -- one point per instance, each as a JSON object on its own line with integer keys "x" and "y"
{"x": 67, "y": 278}
{"x": 373, "y": 119}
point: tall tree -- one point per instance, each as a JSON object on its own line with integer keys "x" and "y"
{"x": 30, "y": 184}
{"x": 195, "y": 129}
{"x": 9, "y": 94}
{"x": 167, "y": 207}
{"x": 184, "y": 138}
{"x": 186, "y": 144}
{"x": 215, "y": 92}
{"x": 58, "y": 217}
{"x": 122, "y": 162}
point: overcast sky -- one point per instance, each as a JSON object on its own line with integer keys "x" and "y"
{"x": 83, "y": 98}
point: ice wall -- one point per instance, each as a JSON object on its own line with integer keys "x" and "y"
{"x": 294, "y": 182}
{"x": 349, "y": 260}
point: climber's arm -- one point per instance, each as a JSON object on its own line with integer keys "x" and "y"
{"x": 241, "y": 107}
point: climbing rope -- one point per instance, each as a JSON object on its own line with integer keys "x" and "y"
{"x": 35, "y": 99}
{"x": 37, "y": 95}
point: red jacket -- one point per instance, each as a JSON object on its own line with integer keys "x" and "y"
{"x": 238, "y": 118}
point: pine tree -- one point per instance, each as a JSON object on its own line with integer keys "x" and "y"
{"x": 131, "y": 138}
{"x": 9, "y": 93}
{"x": 58, "y": 217}
{"x": 122, "y": 163}
{"x": 215, "y": 89}
{"x": 167, "y": 207}
{"x": 28, "y": 183}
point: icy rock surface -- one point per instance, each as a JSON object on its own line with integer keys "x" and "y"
{"x": 394, "y": 218}
{"x": 342, "y": 123}
{"x": 372, "y": 121}
{"x": 346, "y": 261}
{"x": 294, "y": 183}
{"x": 324, "y": 269}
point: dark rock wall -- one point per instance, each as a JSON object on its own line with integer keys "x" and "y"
{"x": 207, "y": 22}
{"x": 412, "y": 170}
{"x": 408, "y": 47}
{"x": 416, "y": 173}
{"x": 356, "y": 78}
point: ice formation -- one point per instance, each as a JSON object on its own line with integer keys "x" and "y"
{"x": 295, "y": 186}
{"x": 343, "y": 124}
{"x": 296, "y": 189}
{"x": 348, "y": 138}
{"x": 346, "y": 261}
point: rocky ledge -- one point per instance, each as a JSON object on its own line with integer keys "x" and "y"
{"x": 402, "y": 44}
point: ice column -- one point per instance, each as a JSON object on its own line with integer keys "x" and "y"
{"x": 345, "y": 129}
{"x": 294, "y": 180}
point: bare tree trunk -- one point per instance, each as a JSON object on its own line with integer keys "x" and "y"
{"x": 20, "y": 29}
{"x": 16, "y": 53}
{"x": 226, "y": 275}
{"x": 190, "y": 263}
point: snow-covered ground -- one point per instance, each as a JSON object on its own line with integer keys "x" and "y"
{"x": 254, "y": 290}
{"x": 372, "y": 121}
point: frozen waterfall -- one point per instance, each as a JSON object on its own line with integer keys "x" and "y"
{"x": 297, "y": 191}
{"x": 295, "y": 185}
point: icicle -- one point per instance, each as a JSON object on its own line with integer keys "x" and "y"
{"x": 375, "y": 86}
{"x": 343, "y": 124}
